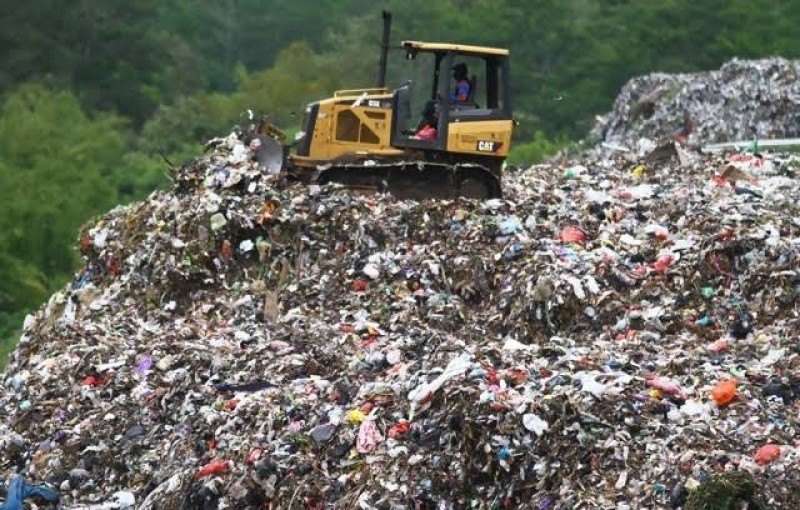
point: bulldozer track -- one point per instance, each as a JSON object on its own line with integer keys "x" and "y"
{"x": 414, "y": 179}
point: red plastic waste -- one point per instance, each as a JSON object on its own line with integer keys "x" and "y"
{"x": 113, "y": 266}
{"x": 86, "y": 244}
{"x": 491, "y": 375}
{"x": 213, "y": 468}
{"x": 517, "y": 375}
{"x": 359, "y": 285}
{"x": 662, "y": 263}
{"x": 93, "y": 381}
{"x": 401, "y": 428}
{"x": 767, "y": 454}
{"x": 572, "y": 235}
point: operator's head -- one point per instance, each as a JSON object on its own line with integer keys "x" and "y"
{"x": 460, "y": 71}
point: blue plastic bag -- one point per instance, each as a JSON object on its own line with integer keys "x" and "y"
{"x": 19, "y": 491}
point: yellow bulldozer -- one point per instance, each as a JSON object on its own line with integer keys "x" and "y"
{"x": 370, "y": 138}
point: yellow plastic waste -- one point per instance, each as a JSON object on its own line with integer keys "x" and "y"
{"x": 355, "y": 416}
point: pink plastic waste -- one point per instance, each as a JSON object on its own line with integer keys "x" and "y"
{"x": 368, "y": 437}
{"x": 666, "y": 386}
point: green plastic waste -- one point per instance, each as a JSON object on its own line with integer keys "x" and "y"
{"x": 752, "y": 147}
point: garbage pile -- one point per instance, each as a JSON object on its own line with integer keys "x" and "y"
{"x": 743, "y": 100}
{"x": 607, "y": 336}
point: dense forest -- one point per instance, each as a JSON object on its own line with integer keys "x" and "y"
{"x": 96, "y": 95}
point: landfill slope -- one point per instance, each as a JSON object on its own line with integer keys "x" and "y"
{"x": 743, "y": 100}
{"x": 238, "y": 343}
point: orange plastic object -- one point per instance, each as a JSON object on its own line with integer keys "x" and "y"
{"x": 724, "y": 392}
{"x": 767, "y": 454}
{"x": 572, "y": 235}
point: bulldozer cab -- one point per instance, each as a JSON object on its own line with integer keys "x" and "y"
{"x": 430, "y": 96}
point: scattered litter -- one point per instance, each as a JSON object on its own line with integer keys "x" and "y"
{"x": 599, "y": 338}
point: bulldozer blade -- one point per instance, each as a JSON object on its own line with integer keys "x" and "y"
{"x": 270, "y": 154}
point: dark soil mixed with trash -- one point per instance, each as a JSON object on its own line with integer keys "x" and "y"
{"x": 609, "y": 335}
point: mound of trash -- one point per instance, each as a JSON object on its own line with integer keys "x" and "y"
{"x": 607, "y": 336}
{"x": 743, "y": 100}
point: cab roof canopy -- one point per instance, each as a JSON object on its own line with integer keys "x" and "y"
{"x": 417, "y": 46}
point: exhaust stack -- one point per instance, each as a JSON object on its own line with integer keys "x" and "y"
{"x": 387, "y": 28}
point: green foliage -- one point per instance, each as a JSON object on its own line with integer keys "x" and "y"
{"x": 60, "y": 163}
{"x": 22, "y": 288}
{"x": 281, "y": 92}
{"x": 298, "y": 76}
{"x": 138, "y": 174}
{"x": 178, "y": 129}
{"x": 58, "y": 167}
{"x": 226, "y": 33}
{"x": 109, "y": 52}
{"x": 538, "y": 149}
